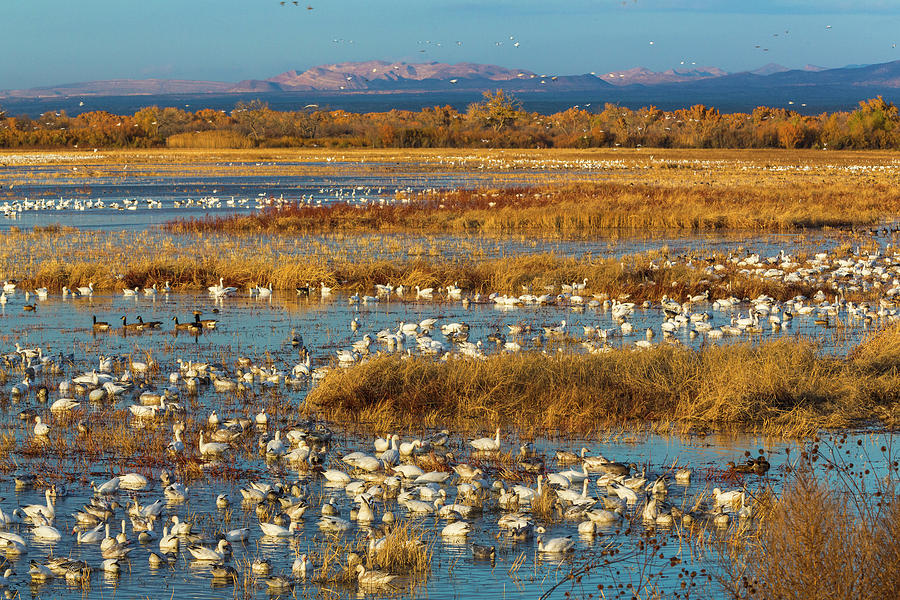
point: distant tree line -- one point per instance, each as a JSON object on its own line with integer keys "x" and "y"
{"x": 497, "y": 121}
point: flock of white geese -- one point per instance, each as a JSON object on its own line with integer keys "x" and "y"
{"x": 455, "y": 487}
{"x": 390, "y": 480}
{"x": 600, "y": 321}
{"x": 376, "y": 487}
{"x": 12, "y": 209}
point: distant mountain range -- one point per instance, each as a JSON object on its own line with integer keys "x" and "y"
{"x": 644, "y": 76}
{"x": 771, "y": 83}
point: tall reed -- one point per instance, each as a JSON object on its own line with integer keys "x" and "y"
{"x": 579, "y": 209}
{"x": 829, "y": 535}
{"x": 785, "y": 386}
{"x": 125, "y": 260}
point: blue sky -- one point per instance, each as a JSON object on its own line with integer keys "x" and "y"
{"x": 47, "y": 42}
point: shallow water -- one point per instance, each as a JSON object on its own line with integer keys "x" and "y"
{"x": 199, "y": 195}
{"x": 261, "y": 330}
{"x": 256, "y": 328}
{"x": 252, "y": 326}
{"x": 226, "y": 190}
{"x": 454, "y": 572}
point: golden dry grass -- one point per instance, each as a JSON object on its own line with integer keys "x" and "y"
{"x": 786, "y": 387}
{"x": 814, "y": 542}
{"x": 581, "y": 209}
{"x": 208, "y": 139}
{"x": 405, "y": 551}
{"x": 660, "y": 188}
{"x": 54, "y": 259}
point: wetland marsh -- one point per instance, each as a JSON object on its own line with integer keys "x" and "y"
{"x": 666, "y": 349}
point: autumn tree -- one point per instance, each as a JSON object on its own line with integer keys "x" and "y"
{"x": 147, "y": 120}
{"x": 250, "y": 117}
{"x": 497, "y": 110}
{"x": 789, "y": 134}
{"x": 873, "y": 124}
{"x": 497, "y": 119}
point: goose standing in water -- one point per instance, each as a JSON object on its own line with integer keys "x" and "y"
{"x": 487, "y": 444}
{"x": 91, "y": 536}
{"x": 46, "y": 533}
{"x": 169, "y": 542}
{"x": 126, "y": 326}
{"x": 204, "y": 554}
{"x": 149, "y": 324}
{"x": 45, "y": 511}
{"x": 375, "y": 579}
{"x": 40, "y": 572}
{"x": 302, "y": 567}
{"x": 273, "y": 530}
{"x": 41, "y": 429}
{"x": 223, "y": 573}
{"x": 276, "y": 447}
{"x": 212, "y": 448}
{"x": 20, "y": 389}
{"x": 177, "y": 444}
{"x": 190, "y": 327}
{"x": 238, "y": 535}
{"x": 558, "y": 545}
{"x": 204, "y": 323}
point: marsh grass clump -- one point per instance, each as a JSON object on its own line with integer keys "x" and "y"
{"x": 129, "y": 260}
{"x": 785, "y": 386}
{"x": 546, "y": 507}
{"x": 578, "y": 209}
{"x": 815, "y": 541}
{"x": 405, "y": 551}
{"x": 209, "y": 140}
{"x": 338, "y": 559}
